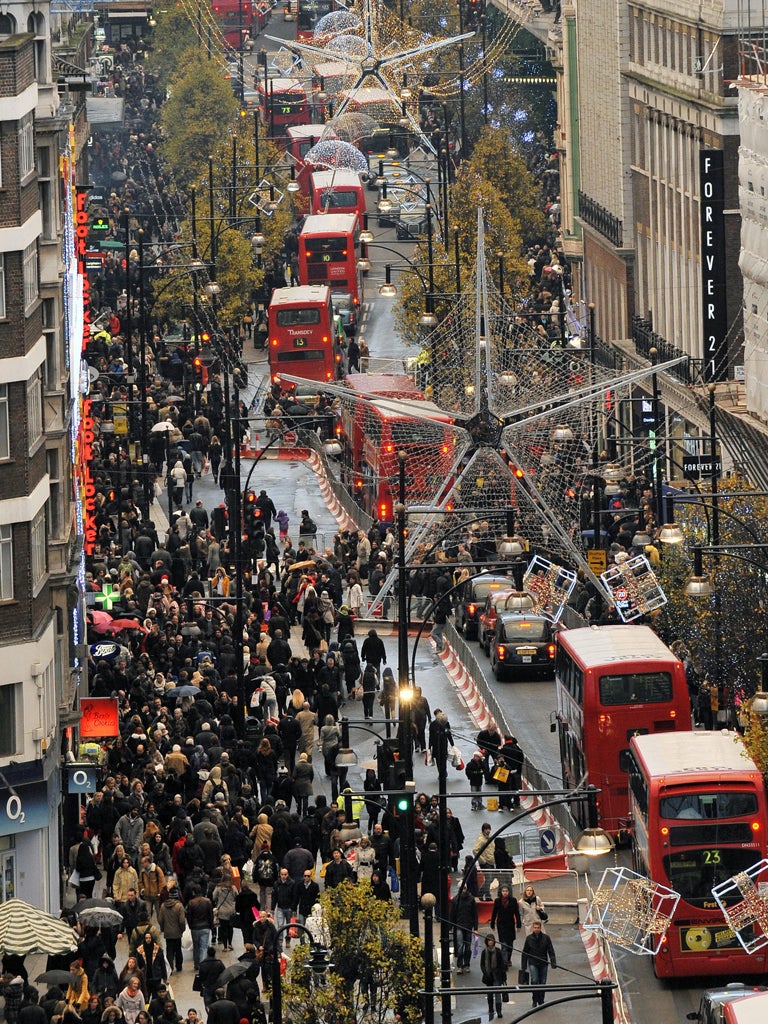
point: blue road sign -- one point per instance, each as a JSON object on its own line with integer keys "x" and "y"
{"x": 547, "y": 839}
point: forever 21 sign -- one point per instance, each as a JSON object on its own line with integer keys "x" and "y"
{"x": 714, "y": 310}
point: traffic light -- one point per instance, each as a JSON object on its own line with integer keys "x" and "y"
{"x": 197, "y": 372}
{"x": 405, "y": 803}
{"x": 249, "y": 507}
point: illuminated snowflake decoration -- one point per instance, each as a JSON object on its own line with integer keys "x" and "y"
{"x": 512, "y": 402}
{"x": 750, "y": 888}
{"x": 348, "y": 46}
{"x": 353, "y": 127}
{"x": 284, "y": 61}
{"x": 337, "y": 154}
{"x": 383, "y": 59}
{"x": 335, "y": 23}
{"x": 631, "y": 911}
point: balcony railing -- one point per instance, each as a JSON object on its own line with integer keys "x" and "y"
{"x": 602, "y": 220}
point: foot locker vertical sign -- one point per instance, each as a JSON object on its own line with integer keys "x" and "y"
{"x": 714, "y": 311}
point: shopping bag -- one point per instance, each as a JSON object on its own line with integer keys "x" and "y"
{"x": 475, "y": 944}
{"x": 293, "y": 933}
{"x": 394, "y": 881}
{"x": 492, "y": 803}
{"x": 186, "y": 940}
{"x": 500, "y": 773}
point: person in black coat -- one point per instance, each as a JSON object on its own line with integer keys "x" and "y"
{"x": 380, "y": 887}
{"x": 307, "y": 895}
{"x": 246, "y": 901}
{"x": 337, "y": 871}
{"x": 511, "y": 757}
{"x": 370, "y": 686}
{"x": 505, "y": 918}
{"x": 208, "y": 973}
{"x": 493, "y": 972}
{"x": 537, "y": 950}
{"x": 465, "y": 923}
{"x": 373, "y": 651}
{"x": 429, "y": 871}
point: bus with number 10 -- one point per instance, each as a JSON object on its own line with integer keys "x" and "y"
{"x": 328, "y": 252}
{"x": 699, "y": 816}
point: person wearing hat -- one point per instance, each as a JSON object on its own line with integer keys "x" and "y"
{"x": 493, "y": 973}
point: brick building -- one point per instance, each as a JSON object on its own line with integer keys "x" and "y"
{"x": 38, "y": 547}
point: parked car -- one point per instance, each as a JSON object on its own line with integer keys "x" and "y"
{"x": 523, "y": 645}
{"x": 471, "y": 599}
{"x": 494, "y": 605}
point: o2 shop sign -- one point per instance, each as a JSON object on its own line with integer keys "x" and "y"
{"x": 24, "y": 809}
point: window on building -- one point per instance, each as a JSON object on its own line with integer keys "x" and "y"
{"x": 52, "y": 381}
{"x": 7, "y": 26}
{"x": 6, "y": 563}
{"x": 56, "y": 500}
{"x": 35, "y": 407}
{"x": 2, "y": 286}
{"x": 46, "y": 192}
{"x": 38, "y": 549}
{"x": 26, "y": 145}
{"x": 5, "y": 423}
{"x": 9, "y": 700}
{"x": 31, "y": 282}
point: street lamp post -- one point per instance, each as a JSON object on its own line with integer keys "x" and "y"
{"x": 428, "y": 902}
{"x": 143, "y": 380}
{"x": 319, "y": 964}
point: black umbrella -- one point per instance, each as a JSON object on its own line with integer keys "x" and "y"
{"x": 230, "y": 973}
{"x": 61, "y": 978}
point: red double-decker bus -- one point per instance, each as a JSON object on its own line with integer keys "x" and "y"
{"x": 700, "y": 817}
{"x": 376, "y": 428}
{"x": 328, "y": 253}
{"x": 301, "y": 335}
{"x": 236, "y": 20}
{"x": 337, "y": 191}
{"x": 282, "y": 103}
{"x": 613, "y": 683}
{"x": 308, "y": 15}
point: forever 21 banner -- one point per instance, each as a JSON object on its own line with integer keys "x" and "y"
{"x": 714, "y": 313}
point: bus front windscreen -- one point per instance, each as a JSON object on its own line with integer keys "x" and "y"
{"x": 297, "y": 317}
{"x": 694, "y": 872}
{"x": 636, "y": 688}
{"x": 334, "y": 199}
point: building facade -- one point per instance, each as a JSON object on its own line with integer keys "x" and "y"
{"x": 38, "y": 547}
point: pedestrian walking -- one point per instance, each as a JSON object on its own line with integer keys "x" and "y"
{"x": 482, "y": 848}
{"x": 538, "y": 954}
{"x": 505, "y": 918}
{"x": 532, "y": 910}
{"x": 465, "y": 924}
{"x": 493, "y": 973}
